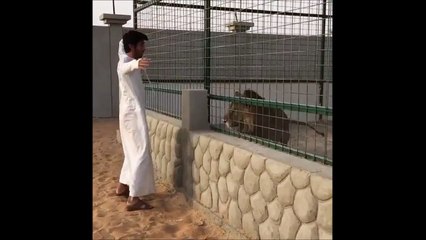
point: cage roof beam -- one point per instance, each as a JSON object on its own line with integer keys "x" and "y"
{"x": 146, "y": 4}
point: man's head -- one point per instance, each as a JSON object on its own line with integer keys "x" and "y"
{"x": 134, "y": 43}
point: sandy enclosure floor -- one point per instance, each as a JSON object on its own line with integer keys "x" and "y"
{"x": 172, "y": 216}
{"x": 305, "y": 139}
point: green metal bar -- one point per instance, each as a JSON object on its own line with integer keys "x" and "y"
{"x": 165, "y": 90}
{"x": 145, "y": 4}
{"x": 135, "y": 15}
{"x": 207, "y": 35}
{"x": 163, "y": 112}
{"x": 279, "y": 105}
{"x": 276, "y": 146}
{"x": 321, "y": 84}
{"x": 158, "y": 89}
{"x": 247, "y": 80}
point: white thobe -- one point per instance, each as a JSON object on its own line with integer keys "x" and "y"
{"x": 137, "y": 171}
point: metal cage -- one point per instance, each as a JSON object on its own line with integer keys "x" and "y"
{"x": 267, "y": 67}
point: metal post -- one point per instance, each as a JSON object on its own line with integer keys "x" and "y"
{"x": 321, "y": 85}
{"x": 135, "y": 15}
{"x": 207, "y": 52}
{"x": 113, "y": 6}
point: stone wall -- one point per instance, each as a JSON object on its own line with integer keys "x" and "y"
{"x": 261, "y": 197}
{"x": 265, "y": 198}
{"x": 166, "y": 150}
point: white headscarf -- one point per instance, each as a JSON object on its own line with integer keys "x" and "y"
{"x": 121, "y": 53}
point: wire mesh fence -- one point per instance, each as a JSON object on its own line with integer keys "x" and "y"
{"x": 267, "y": 66}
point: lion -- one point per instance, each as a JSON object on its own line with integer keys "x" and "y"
{"x": 264, "y": 122}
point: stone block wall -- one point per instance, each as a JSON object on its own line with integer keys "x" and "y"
{"x": 166, "y": 150}
{"x": 261, "y": 197}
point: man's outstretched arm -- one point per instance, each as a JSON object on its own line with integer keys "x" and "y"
{"x": 125, "y": 68}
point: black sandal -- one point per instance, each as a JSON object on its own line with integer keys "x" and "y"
{"x": 139, "y": 205}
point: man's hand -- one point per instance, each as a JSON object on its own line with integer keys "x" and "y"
{"x": 143, "y": 63}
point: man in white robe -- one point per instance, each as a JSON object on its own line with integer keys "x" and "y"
{"x": 137, "y": 173}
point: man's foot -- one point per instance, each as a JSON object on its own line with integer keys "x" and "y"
{"x": 134, "y": 203}
{"x": 122, "y": 190}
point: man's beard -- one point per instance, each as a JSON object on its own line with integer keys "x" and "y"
{"x": 140, "y": 56}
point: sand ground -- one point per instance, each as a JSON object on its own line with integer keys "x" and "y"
{"x": 172, "y": 216}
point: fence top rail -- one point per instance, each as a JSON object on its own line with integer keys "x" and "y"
{"x": 257, "y": 102}
{"x": 279, "y": 105}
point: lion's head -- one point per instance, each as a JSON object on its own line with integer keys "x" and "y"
{"x": 236, "y": 115}
{"x": 265, "y": 122}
